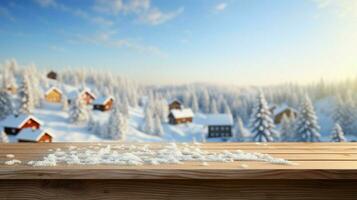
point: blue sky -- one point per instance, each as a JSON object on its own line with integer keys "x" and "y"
{"x": 240, "y": 42}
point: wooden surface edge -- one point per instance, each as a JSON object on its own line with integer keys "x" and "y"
{"x": 199, "y": 174}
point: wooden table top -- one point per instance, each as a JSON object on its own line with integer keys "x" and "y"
{"x": 310, "y": 161}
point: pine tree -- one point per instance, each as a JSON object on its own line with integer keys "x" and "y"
{"x": 262, "y": 126}
{"x": 148, "y": 124}
{"x": 213, "y": 108}
{"x": 195, "y": 106}
{"x": 117, "y": 126}
{"x": 307, "y": 128}
{"x": 25, "y": 97}
{"x": 78, "y": 112}
{"x": 124, "y": 107}
{"x": 5, "y": 105}
{"x": 287, "y": 129}
{"x": 345, "y": 114}
{"x": 240, "y": 132}
{"x": 3, "y": 137}
{"x": 226, "y": 108}
{"x": 337, "y": 134}
{"x": 205, "y": 100}
{"x": 159, "y": 131}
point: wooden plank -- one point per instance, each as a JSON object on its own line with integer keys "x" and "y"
{"x": 289, "y": 156}
{"x": 329, "y": 160}
{"x": 178, "y": 189}
{"x": 255, "y": 170}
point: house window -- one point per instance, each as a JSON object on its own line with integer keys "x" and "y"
{"x": 28, "y": 122}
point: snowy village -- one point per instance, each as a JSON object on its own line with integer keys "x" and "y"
{"x": 178, "y": 99}
{"x": 87, "y": 106}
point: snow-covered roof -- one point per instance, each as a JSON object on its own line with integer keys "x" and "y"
{"x": 102, "y": 100}
{"x": 282, "y": 108}
{"x": 53, "y": 88}
{"x": 88, "y": 91}
{"x": 32, "y": 135}
{"x": 174, "y": 100}
{"x": 75, "y": 93}
{"x": 216, "y": 119}
{"x": 182, "y": 113}
{"x": 17, "y": 122}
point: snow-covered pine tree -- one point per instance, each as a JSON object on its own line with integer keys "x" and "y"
{"x": 124, "y": 107}
{"x": 148, "y": 126}
{"x": 78, "y": 112}
{"x": 3, "y": 137}
{"x": 287, "y": 129}
{"x": 213, "y": 108}
{"x": 117, "y": 126}
{"x": 159, "y": 131}
{"x": 25, "y": 97}
{"x": 34, "y": 82}
{"x": 226, "y": 108}
{"x": 5, "y": 105}
{"x": 205, "y": 101}
{"x": 344, "y": 114}
{"x": 337, "y": 134}
{"x": 241, "y": 134}
{"x": 262, "y": 125}
{"x": 8, "y": 74}
{"x": 307, "y": 128}
{"x": 195, "y": 106}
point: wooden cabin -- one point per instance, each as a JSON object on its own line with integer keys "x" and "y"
{"x": 103, "y": 103}
{"x": 36, "y": 136}
{"x": 53, "y": 95}
{"x": 176, "y": 104}
{"x": 14, "y": 124}
{"x": 86, "y": 96}
{"x": 287, "y": 111}
{"x": 180, "y": 116}
{"x": 219, "y": 125}
{"x": 52, "y": 75}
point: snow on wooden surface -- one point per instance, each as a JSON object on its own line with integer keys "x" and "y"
{"x": 172, "y": 161}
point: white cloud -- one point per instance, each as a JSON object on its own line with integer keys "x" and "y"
{"x": 220, "y": 7}
{"x": 76, "y": 12}
{"x": 4, "y": 12}
{"x": 119, "y": 6}
{"x": 155, "y": 16}
{"x": 107, "y": 39}
{"x": 341, "y": 8}
{"x": 143, "y": 9}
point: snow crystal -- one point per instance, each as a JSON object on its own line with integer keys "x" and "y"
{"x": 12, "y": 162}
{"x": 134, "y": 155}
{"x": 10, "y": 156}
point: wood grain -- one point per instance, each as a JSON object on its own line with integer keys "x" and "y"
{"x": 179, "y": 189}
{"x": 311, "y": 161}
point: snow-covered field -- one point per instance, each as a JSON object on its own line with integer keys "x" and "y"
{"x": 56, "y": 121}
{"x": 140, "y": 112}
